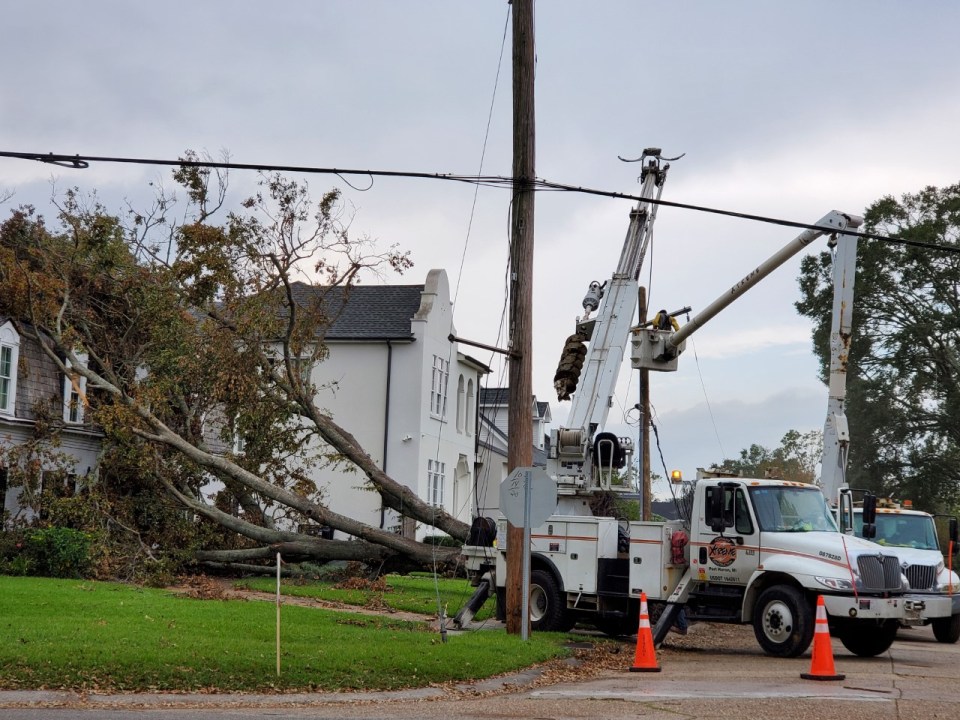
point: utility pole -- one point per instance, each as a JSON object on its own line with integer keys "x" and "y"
{"x": 520, "y": 442}
{"x": 646, "y": 499}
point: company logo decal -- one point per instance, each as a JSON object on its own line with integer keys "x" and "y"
{"x": 722, "y": 551}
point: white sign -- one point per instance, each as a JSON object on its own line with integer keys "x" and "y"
{"x": 514, "y": 492}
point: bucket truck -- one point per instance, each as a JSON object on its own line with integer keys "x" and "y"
{"x": 912, "y": 534}
{"x": 751, "y": 551}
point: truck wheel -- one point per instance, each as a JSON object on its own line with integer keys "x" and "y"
{"x": 947, "y": 630}
{"x": 783, "y": 621}
{"x": 548, "y": 612}
{"x": 867, "y": 639}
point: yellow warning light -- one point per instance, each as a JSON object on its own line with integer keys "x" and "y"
{"x": 676, "y": 476}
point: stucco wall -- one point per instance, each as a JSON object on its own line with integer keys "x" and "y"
{"x": 400, "y": 433}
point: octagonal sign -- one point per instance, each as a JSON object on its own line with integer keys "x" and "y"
{"x": 542, "y": 490}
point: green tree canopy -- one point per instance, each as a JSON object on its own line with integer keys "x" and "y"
{"x": 796, "y": 458}
{"x": 903, "y": 371}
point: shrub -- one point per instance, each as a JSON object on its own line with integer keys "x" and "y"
{"x": 14, "y": 558}
{"x": 59, "y": 552}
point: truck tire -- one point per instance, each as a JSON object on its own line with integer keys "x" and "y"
{"x": 947, "y": 630}
{"x": 783, "y": 621}
{"x": 548, "y": 611}
{"x": 867, "y": 639}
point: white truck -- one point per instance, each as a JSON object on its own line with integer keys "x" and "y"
{"x": 912, "y": 534}
{"x": 750, "y": 550}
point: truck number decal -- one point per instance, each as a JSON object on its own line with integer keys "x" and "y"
{"x": 722, "y": 551}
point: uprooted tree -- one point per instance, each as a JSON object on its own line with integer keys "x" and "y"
{"x": 192, "y": 337}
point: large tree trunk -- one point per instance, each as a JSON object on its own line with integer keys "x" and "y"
{"x": 395, "y": 496}
{"x": 299, "y": 550}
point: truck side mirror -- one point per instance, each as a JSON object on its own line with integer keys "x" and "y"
{"x": 869, "y": 510}
{"x": 869, "y": 531}
{"x": 952, "y": 530}
{"x": 714, "y": 508}
{"x": 726, "y": 514}
{"x": 845, "y": 511}
{"x": 718, "y": 515}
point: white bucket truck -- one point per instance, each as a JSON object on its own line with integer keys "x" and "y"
{"x": 747, "y": 550}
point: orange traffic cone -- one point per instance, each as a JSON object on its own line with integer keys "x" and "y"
{"x": 821, "y": 662}
{"x": 645, "y": 659}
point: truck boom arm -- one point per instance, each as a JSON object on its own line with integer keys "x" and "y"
{"x": 572, "y": 458}
{"x": 610, "y": 330}
{"x": 831, "y": 223}
{"x": 658, "y": 349}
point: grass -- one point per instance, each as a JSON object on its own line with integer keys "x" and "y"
{"x": 417, "y": 593}
{"x": 95, "y": 636}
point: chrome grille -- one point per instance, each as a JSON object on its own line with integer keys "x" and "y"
{"x": 921, "y": 577}
{"x": 879, "y": 572}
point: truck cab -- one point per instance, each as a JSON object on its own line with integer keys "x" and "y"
{"x": 912, "y": 535}
{"x": 762, "y": 550}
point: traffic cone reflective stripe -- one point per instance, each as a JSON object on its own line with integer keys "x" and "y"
{"x": 821, "y": 662}
{"x": 645, "y": 658}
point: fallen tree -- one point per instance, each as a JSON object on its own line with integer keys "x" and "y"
{"x": 189, "y": 335}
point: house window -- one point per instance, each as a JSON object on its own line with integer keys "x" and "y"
{"x": 6, "y": 375}
{"x": 460, "y": 405}
{"x": 435, "y": 476}
{"x": 74, "y": 392}
{"x": 239, "y": 440}
{"x": 9, "y": 357}
{"x": 471, "y": 413}
{"x": 300, "y": 366}
{"x": 438, "y": 387}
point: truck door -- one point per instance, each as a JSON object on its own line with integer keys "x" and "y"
{"x": 726, "y": 546}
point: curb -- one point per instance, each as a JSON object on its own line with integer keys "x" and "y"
{"x": 59, "y": 698}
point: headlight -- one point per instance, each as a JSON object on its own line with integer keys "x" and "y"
{"x": 948, "y": 583}
{"x": 835, "y": 583}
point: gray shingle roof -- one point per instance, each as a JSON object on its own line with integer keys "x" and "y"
{"x": 494, "y": 396}
{"x": 371, "y": 312}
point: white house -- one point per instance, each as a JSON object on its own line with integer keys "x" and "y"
{"x": 395, "y": 380}
{"x": 31, "y": 384}
{"x": 494, "y": 432}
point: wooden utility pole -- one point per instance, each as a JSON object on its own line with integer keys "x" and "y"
{"x": 520, "y": 442}
{"x": 645, "y": 424}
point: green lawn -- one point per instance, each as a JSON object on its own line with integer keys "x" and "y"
{"x": 102, "y": 636}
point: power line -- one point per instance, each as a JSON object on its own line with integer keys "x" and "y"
{"x": 82, "y": 162}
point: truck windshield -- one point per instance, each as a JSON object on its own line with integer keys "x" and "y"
{"x": 785, "y": 508}
{"x": 913, "y": 531}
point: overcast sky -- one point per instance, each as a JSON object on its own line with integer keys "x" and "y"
{"x": 783, "y": 109}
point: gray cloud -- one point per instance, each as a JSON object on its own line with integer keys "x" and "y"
{"x": 783, "y": 110}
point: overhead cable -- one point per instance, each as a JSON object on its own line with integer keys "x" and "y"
{"x": 81, "y": 162}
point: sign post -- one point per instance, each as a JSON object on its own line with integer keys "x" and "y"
{"x": 527, "y": 498}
